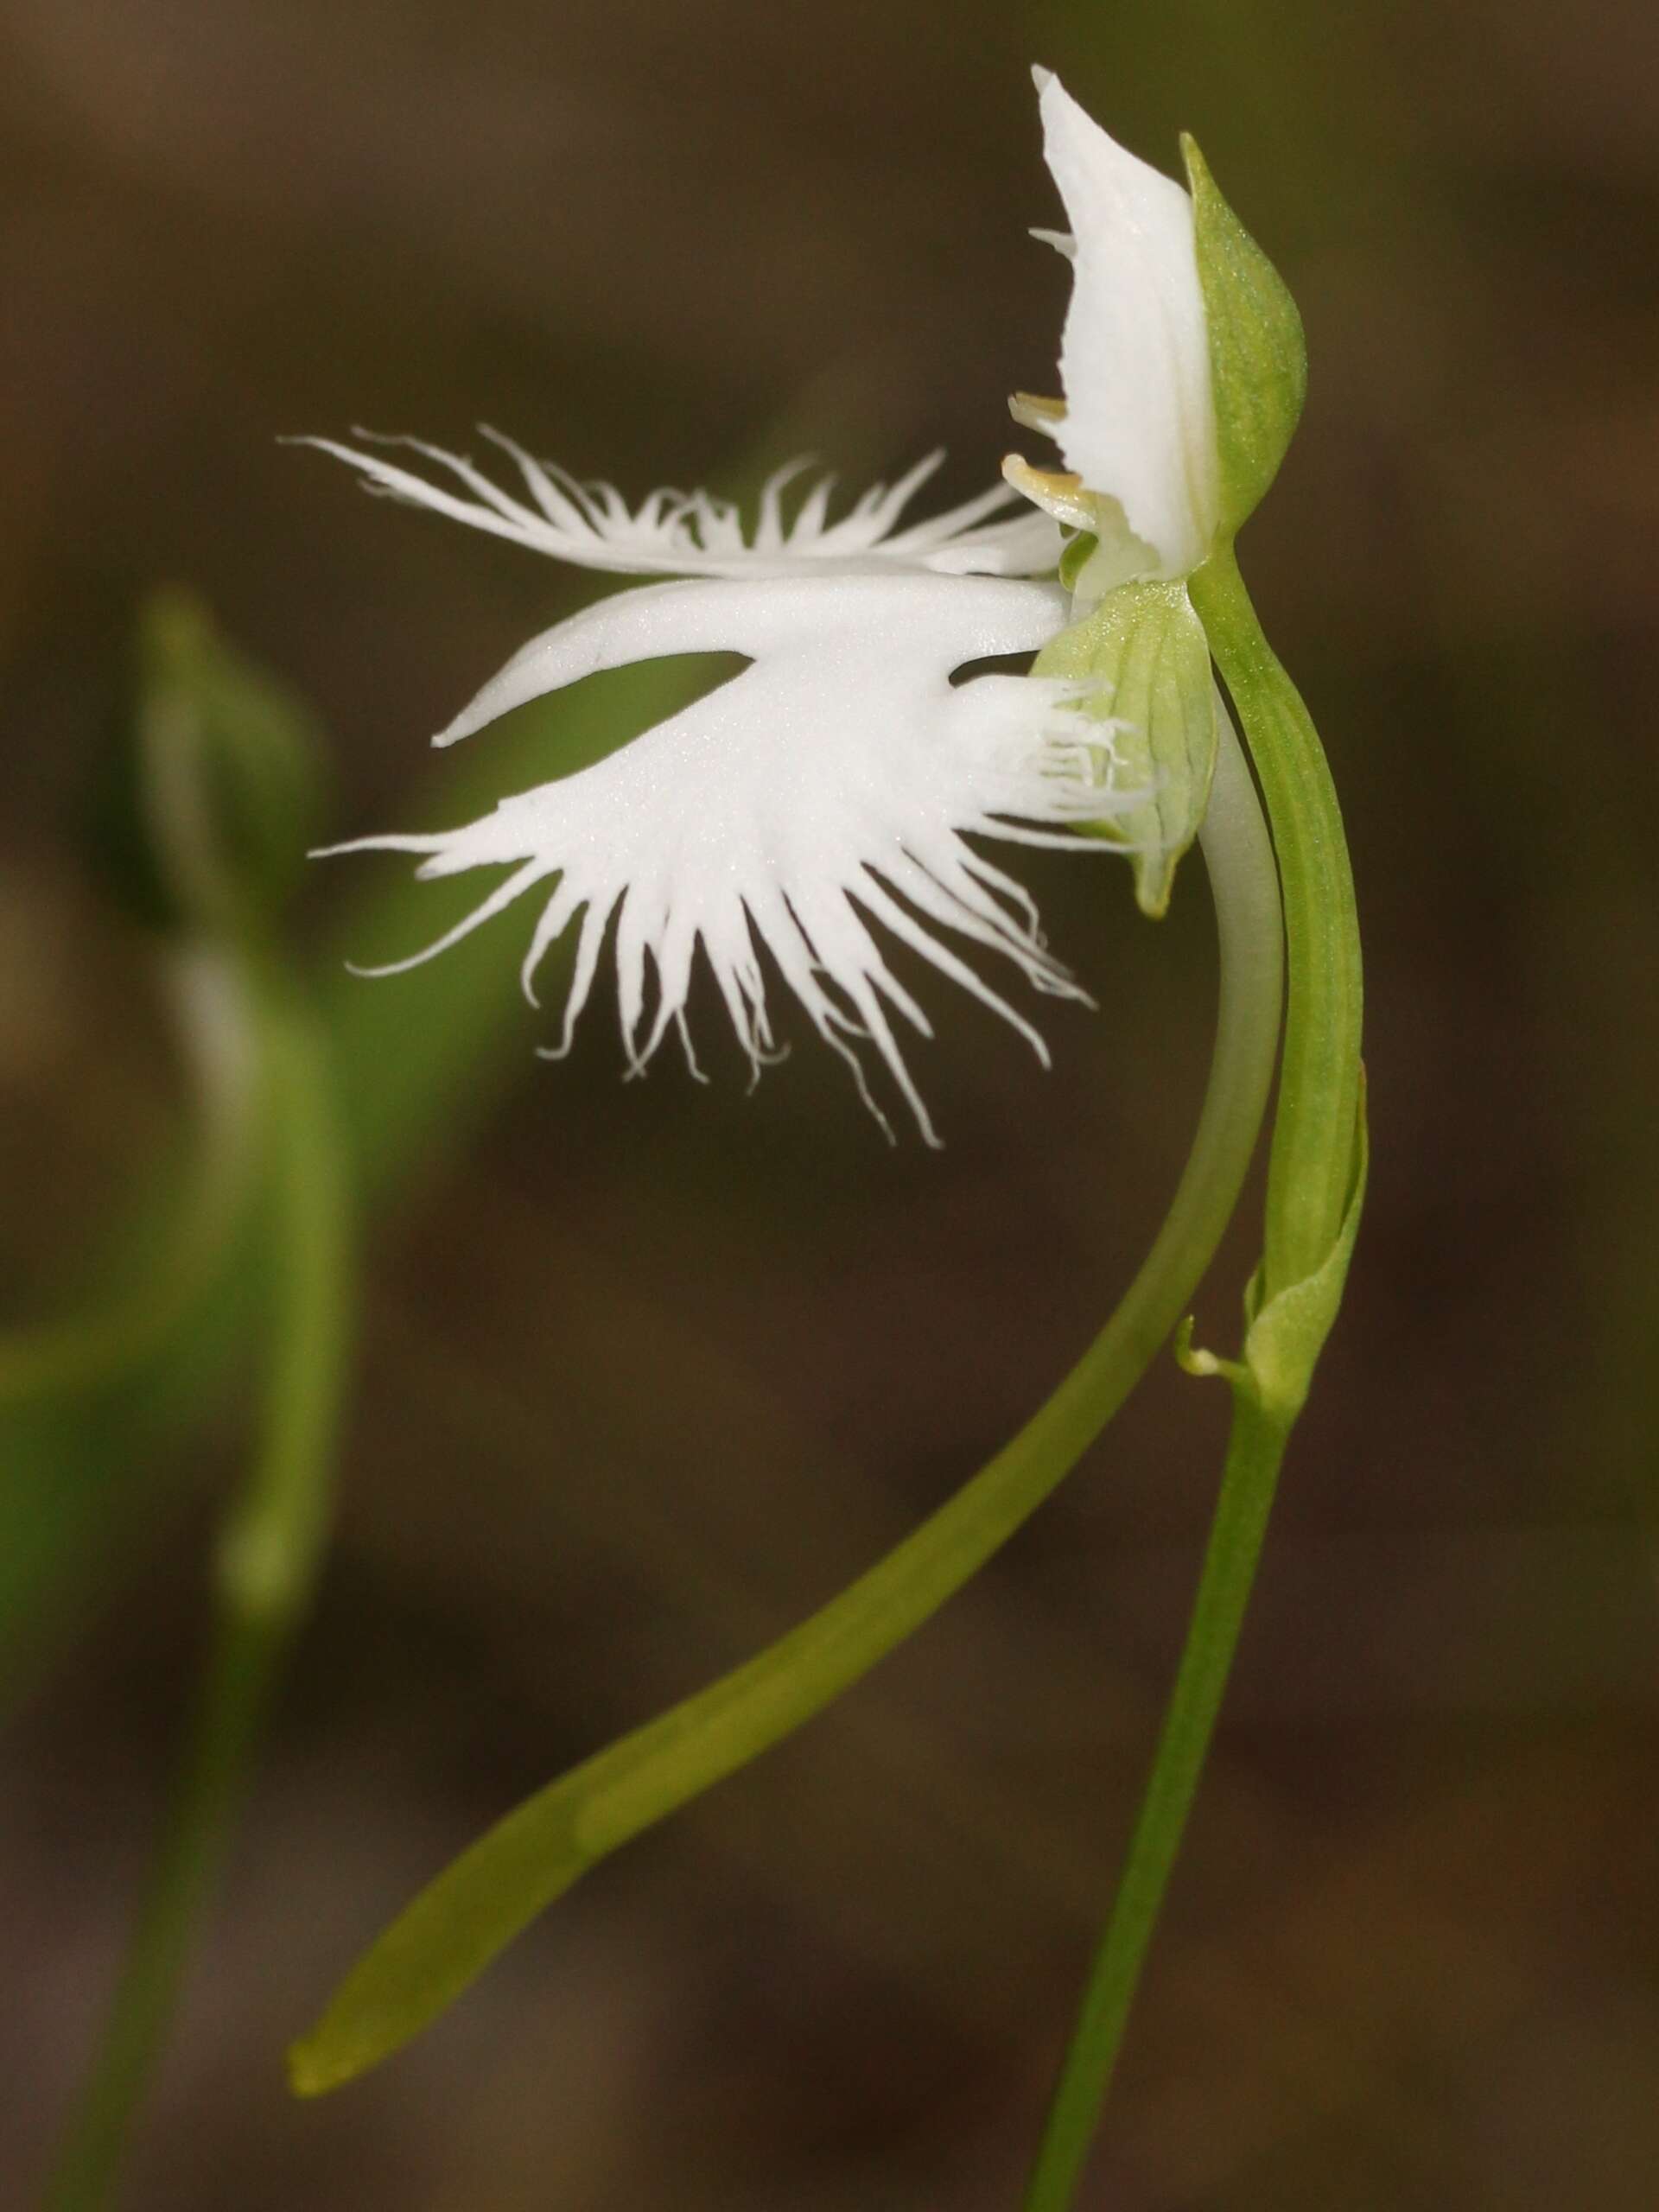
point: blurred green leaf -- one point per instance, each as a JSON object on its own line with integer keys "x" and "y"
{"x": 416, "y": 1059}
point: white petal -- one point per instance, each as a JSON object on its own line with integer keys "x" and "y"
{"x": 1134, "y": 359}
{"x": 690, "y": 534}
{"x": 830, "y": 785}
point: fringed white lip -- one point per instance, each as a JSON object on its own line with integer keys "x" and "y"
{"x": 693, "y": 534}
{"x": 831, "y": 784}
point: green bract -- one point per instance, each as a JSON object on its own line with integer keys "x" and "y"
{"x": 1143, "y": 651}
{"x": 1257, "y": 356}
{"x": 1286, "y": 1333}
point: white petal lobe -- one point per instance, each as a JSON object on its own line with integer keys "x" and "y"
{"x": 827, "y": 788}
{"x": 1134, "y": 357}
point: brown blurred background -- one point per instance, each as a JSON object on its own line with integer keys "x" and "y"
{"x": 647, "y": 1372}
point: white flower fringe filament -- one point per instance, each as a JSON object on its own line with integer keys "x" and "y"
{"x": 673, "y": 533}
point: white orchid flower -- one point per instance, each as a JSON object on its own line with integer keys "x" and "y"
{"x": 1184, "y": 371}
{"x": 830, "y": 788}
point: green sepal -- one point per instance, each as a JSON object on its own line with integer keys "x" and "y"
{"x": 1287, "y": 1333}
{"x": 213, "y": 788}
{"x": 1143, "y": 653}
{"x": 1258, "y": 357}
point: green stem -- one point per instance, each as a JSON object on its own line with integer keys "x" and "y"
{"x": 265, "y": 1571}
{"x": 1254, "y": 1453}
{"x": 464, "y": 1918}
{"x": 1311, "y": 1168}
{"x": 1312, "y": 1198}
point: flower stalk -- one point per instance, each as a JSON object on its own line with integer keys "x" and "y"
{"x": 1315, "y": 1188}
{"x": 264, "y": 1570}
{"x": 1318, "y": 1126}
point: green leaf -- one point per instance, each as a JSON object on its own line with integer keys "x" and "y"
{"x": 1257, "y": 355}
{"x": 464, "y": 1919}
{"x": 1143, "y": 651}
